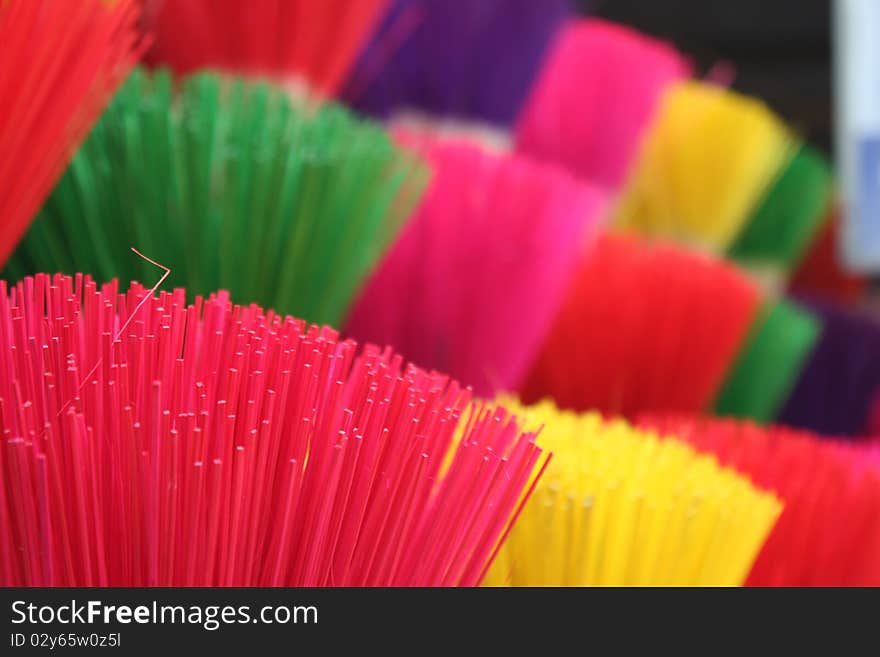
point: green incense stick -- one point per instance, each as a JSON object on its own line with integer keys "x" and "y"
{"x": 233, "y": 186}
{"x": 786, "y": 220}
{"x": 769, "y": 362}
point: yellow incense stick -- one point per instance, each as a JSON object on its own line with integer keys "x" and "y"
{"x": 705, "y": 164}
{"x": 623, "y": 506}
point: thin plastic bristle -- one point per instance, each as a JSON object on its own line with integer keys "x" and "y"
{"x": 770, "y": 362}
{"x": 620, "y": 506}
{"x": 836, "y": 387}
{"x": 829, "y": 530}
{"x": 149, "y": 442}
{"x": 644, "y": 327}
{"x": 60, "y": 61}
{"x": 708, "y": 159}
{"x": 787, "y": 219}
{"x": 232, "y": 186}
{"x": 480, "y": 270}
{"x": 312, "y": 40}
{"x": 596, "y": 95}
{"x": 470, "y": 60}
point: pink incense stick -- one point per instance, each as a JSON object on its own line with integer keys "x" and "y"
{"x": 211, "y": 444}
{"x": 595, "y": 97}
{"x": 477, "y": 275}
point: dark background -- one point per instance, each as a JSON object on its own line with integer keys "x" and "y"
{"x": 780, "y": 49}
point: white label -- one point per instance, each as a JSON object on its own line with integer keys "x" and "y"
{"x": 857, "y": 129}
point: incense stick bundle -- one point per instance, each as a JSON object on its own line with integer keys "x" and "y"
{"x": 770, "y": 362}
{"x": 232, "y": 186}
{"x": 834, "y": 392}
{"x": 317, "y": 42}
{"x": 786, "y": 221}
{"x": 481, "y": 268}
{"x": 624, "y": 506}
{"x": 147, "y": 441}
{"x": 708, "y": 159}
{"x": 821, "y": 273}
{"x": 873, "y": 427}
{"x": 470, "y": 60}
{"x": 644, "y": 326}
{"x": 597, "y": 94}
{"x": 829, "y": 530}
{"x": 59, "y": 63}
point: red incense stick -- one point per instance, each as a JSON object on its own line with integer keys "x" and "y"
{"x": 59, "y": 63}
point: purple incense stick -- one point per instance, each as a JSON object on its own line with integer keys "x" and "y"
{"x": 458, "y": 58}
{"x": 834, "y": 393}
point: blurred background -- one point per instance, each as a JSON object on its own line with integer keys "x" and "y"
{"x": 780, "y": 50}
{"x": 627, "y": 216}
